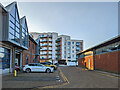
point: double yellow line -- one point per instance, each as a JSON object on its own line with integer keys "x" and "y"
{"x": 64, "y": 78}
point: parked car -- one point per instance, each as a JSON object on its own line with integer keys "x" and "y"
{"x": 37, "y": 67}
{"x": 17, "y": 68}
{"x": 49, "y": 64}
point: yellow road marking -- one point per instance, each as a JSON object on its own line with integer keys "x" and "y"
{"x": 65, "y": 79}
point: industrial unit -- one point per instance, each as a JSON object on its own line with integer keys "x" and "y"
{"x": 104, "y": 56}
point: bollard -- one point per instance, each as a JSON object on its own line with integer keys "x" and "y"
{"x": 15, "y": 74}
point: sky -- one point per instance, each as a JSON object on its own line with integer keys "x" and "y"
{"x": 92, "y": 22}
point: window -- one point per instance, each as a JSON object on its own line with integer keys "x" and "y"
{"x": 72, "y": 47}
{"x": 39, "y": 65}
{"x": 33, "y": 45}
{"x": 72, "y": 42}
{"x": 4, "y": 58}
{"x": 69, "y": 43}
{"x": 32, "y": 65}
{"x": 14, "y": 25}
{"x": 29, "y": 43}
{"x": 73, "y": 56}
{"x": 72, "y": 51}
{"x": 78, "y": 43}
{"x": 108, "y": 48}
{"x": 27, "y": 58}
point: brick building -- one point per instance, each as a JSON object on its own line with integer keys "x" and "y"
{"x": 32, "y": 54}
{"x": 104, "y": 56}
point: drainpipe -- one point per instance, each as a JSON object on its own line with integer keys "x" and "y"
{"x": 14, "y": 56}
{"x": 93, "y": 59}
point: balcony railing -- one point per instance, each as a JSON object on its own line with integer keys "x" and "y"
{"x": 43, "y": 54}
{"x": 58, "y": 53}
{"x": 43, "y": 36}
{"x": 58, "y": 44}
{"x": 50, "y": 40}
{"x": 43, "y": 44}
{"x": 43, "y": 49}
{"x": 43, "y": 41}
{"x": 50, "y": 44}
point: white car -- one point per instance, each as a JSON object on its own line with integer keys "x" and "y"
{"x": 37, "y": 67}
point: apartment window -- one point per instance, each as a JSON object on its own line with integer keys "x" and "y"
{"x": 72, "y": 47}
{"x": 78, "y": 43}
{"x": 64, "y": 56}
{"x": 69, "y": 43}
{"x": 73, "y": 56}
{"x": 72, "y": 51}
{"x": 69, "y": 48}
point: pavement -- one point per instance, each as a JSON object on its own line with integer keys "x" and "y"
{"x": 81, "y": 78}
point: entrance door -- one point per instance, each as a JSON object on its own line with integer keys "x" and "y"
{"x": 88, "y": 63}
{"x": 17, "y": 59}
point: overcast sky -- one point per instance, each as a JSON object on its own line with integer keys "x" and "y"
{"x": 92, "y": 22}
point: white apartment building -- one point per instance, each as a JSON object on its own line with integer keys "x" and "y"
{"x": 61, "y": 47}
{"x": 54, "y": 47}
{"x": 73, "y": 47}
{"x": 47, "y": 43}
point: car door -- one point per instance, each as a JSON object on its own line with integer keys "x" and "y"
{"x": 41, "y": 68}
{"x": 33, "y": 67}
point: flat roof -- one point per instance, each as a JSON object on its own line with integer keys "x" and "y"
{"x": 110, "y": 41}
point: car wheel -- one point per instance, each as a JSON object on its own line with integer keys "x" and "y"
{"x": 28, "y": 70}
{"x": 48, "y": 70}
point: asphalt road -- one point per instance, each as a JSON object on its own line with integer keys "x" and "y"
{"x": 31, "y": 80}
{"x": 79, "y": 78}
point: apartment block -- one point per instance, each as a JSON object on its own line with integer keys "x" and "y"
{"x": 47, "y": 44}
{"x": 73, "y": 47}
{"x": 61, "y": 47}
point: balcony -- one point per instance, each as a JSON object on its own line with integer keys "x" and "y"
{"x": 57, "y": 45}
{"x": 43, "y": 36}
{"x": 78, "y": 49}
{"x": 58, "y": 40}
{"x": 50, "y": 45}
{"x": 43, "y": 41}
{"x": 58, "y": 49}
{"x": 43, "y": 57}
{"x": 58, "y": 53}
{"x": 44, "y": 49}
{"x": 50, "y": 40}
{"x": 50, "y": 53}
{"x": 43, "y": 54}
{"x": 57, "y": 57}
{"x": 43, "y": 45}
{"x": 50, "y": 49}
{"x": 50, "y": 36}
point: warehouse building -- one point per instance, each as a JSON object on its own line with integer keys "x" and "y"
{"x": 104, "y": 56}
{"x": 12, "y": 42}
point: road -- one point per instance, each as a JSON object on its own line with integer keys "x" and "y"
{"x": 79, "y": 78}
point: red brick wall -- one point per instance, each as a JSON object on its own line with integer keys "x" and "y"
{"x": 28, "y": 52}
{"x": 107, "y": 61}
{"x": 84, "y": 60}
